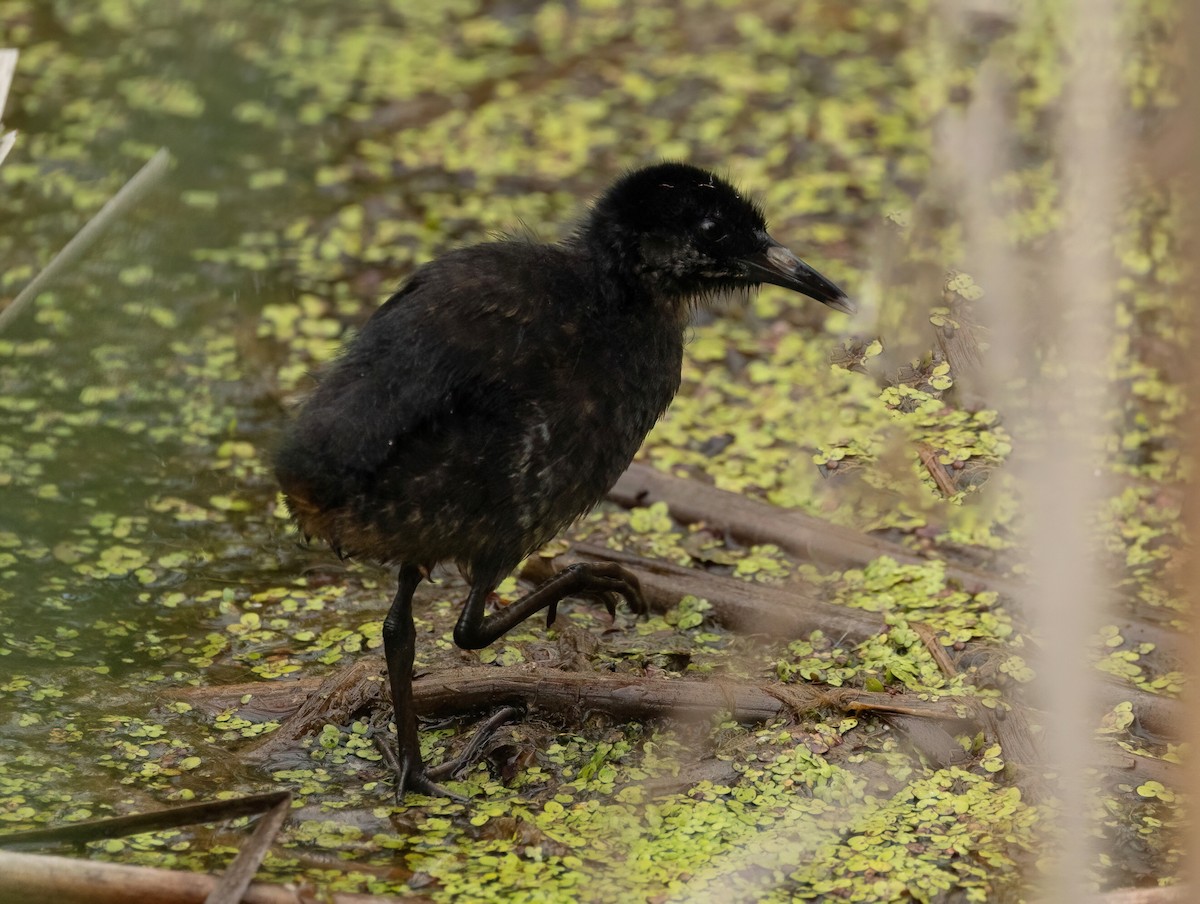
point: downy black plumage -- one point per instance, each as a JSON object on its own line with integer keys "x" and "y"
{"x": 502, "y": 391}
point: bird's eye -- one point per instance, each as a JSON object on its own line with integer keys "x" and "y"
{"x": 712, "y": 231}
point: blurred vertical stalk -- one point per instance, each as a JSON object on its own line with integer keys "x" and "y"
{"x": 1063, "y": 478}
{"x": 1048, "y": 355}
{"x": 1189, "y": 126}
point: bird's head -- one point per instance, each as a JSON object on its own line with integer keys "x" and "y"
{"x": 686, "y": 233}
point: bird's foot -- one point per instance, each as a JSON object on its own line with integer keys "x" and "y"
{"x": 411, "y": 775}
{"x": 421, "y": 783}
{"x": 608, "y": 581}
{"x": 604, "y": 583}
{"x": 606, "y": 598}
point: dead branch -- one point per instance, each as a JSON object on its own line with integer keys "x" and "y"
{"x": 1164, "y": 717}
{"x": 343, "y": 693}
{"x": 960, "y": 344}
{"x": 37, "y": 879}
{"x": 1132, "y": 769}
{"x": 171, "y": 818}
{"x": 929, "y": 638}
{"x": 620, "y": 696}
{"x": 763, "y": 609}
{"x": 811, "y": 538}
{"x": 1170, "y": 894}
{"x": 749, "y": 521}
{"x": 936, "y": 744}
{"x": 240, "y": 873}
{"x": 929, "y": 459}
{"x": 466, "y": 690}
{"x": 8, "y": 66}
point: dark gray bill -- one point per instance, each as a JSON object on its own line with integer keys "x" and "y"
{"x": 780, "y": 267}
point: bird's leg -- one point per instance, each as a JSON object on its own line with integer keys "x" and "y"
{"x": 475, "y": 630}
{"x": 399, "y": 647}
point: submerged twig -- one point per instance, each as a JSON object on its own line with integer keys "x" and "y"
{"x": 118, "y": 204}
{"x": 238, "y": 875}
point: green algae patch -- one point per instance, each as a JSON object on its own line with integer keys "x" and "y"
{"x": 959, "y": 832}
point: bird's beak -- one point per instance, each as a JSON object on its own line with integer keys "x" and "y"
{"x": 778, "y": 266}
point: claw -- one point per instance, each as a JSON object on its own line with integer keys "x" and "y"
{"x": 633, "y": 596}
{"x": 412, "y": 777}
{"x": 410, "y": 774}
{"x": 610, "y": 603}
{"x": 605, "y": 598}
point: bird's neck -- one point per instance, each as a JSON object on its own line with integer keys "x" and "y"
{"x": 623, "y": 278}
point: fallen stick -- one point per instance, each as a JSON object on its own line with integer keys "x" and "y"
{"x": 810, "y": 538}
{"x": 466, "y": 690}
{"x": 929, "y": 460}
{"x": 763, "y": 609}
{"x": 232, "y": 885}
{"x": 960, "y": 345}
{"x": 796, "y": 532}
{"x": 38, "y": 879}
{"x": 345, "y": 692}
{"x": 8, "y": 67}
{"x": 478, "y": 688}
{"x": 1169, "y": 894}
{"x": 1165, "y": 717}
{"x": 171, "y": 818}
{"x": 803, "y": 535}
{"x": 739, "y": 605}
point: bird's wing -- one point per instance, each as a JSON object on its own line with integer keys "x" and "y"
{"x": 442, "y": 343}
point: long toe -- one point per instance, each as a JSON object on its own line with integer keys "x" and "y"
{"x": 609, "y": 577}
{"x": 606, "y": 598}
{"x": 633, "y": 593}
{"x": 637, "y": 602}
{"x": 420, "y": 783}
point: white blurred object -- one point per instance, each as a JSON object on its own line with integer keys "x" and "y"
{"x": 8, "y": 65}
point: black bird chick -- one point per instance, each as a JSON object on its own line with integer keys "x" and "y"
{"x": 499, "y": 394}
